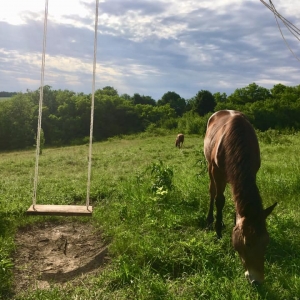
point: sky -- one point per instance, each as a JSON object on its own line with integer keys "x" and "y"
{"x": 148, "y": 47}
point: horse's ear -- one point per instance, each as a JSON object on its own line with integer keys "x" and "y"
{"x": 268, "y": 210}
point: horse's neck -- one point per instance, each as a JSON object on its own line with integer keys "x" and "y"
{"x": 247, "y": 199}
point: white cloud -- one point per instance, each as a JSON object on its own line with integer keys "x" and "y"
{"x": 148, "y": 46}
{"x": 17, "y": 11}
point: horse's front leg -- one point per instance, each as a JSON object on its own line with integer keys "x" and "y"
{"x": 212, "y": 192}
{"x": 220, "y": 202}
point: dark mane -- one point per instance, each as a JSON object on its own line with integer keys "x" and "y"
{"x": 238, "y": 143}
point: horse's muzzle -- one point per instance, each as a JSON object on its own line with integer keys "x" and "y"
{"x": 252, "y": 280}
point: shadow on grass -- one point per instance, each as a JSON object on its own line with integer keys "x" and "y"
{"x": 284, "y": 242}
{"x": 282, "y": 255}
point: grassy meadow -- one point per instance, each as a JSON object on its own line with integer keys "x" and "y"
{"x": 4, "y": 98}
{"x": 150, "y": 203}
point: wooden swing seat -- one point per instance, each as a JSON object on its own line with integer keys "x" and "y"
{"x": 60, "y": 210}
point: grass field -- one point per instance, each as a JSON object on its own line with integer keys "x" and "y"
{"x": 4, "y": 98}
{"x": 150, "y": 203}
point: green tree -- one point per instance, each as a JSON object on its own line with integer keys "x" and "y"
{"x": 7, "y": 94}
{"x": 114, "y": 116}
{"x": 220, "y": 98}
{"x": 278, "y": 90}
{"x": 157, "y": 115}
{"x": 16, "y": 123}
{"x": 138, "y": 99}
{"x": 203, "y": 103}
{"x": 175, "y": 102}
{"x": 249, "y": 94}
{"x": 107, "y": 90}
{"x": 125, "y": 97}
{"x": 5, "y": 125}
{"x": 57, "y": 118}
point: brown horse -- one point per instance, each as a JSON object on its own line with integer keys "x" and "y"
{"x": 179, "y": 140}
{"x": 232, "y": 152}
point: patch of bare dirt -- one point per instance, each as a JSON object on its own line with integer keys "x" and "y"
{"x": 56, "y": 253}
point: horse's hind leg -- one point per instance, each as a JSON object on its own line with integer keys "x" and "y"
{"x": 220, "y": 184}
{"x": 212, "y": 192}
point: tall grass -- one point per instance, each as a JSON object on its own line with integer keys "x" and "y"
{"x": 150, "y": 201}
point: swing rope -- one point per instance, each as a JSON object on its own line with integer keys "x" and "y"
{"x": 92, "y": 109}
{"x": 38, "y": 139}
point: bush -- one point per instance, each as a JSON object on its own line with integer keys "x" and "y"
{"x": 271, "y": 136}
{"x": 162, "y": 176}
{"x": 192, "y": 123}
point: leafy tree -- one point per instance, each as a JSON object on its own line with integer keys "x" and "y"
{"x": 16, "y": 123}
{"x": 58, "y": 120}
{"x": 149, "y": 100}
{"x": 154, "y": 114}
{"x": 203, "y": 103}
{"x": 125, "y": 97}
{"x": 249, "y": 94}
{"x": 7, "y": 94}
{"x": 221, "y": 101}
{"x": 278, "y": 90}
{"x": 220, "y": 98}
{"x": 114, "y": 116}
{"x": 107, "y": 90}
{"x": 5, "y": 125}
{"x": 138, "y": 99}
{"x": 175, "y": 102}
{"x": 50, "y": 98}
{"x": 277, "y": 113}
{"x": 66, "y": 115}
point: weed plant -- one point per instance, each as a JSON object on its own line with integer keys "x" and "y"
{"x": 150, "y": 201}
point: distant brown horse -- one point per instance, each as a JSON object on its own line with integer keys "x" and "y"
{"x": 179, "y": 140}
{"x": 232, "y": 152}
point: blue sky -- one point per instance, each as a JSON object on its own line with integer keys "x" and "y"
{"x": 148, "y": 47}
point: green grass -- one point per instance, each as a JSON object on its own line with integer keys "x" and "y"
{"x": 150, "y": 201}
{"x": 4, "y": 98}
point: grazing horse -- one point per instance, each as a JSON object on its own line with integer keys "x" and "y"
{"x": 179, "y": 140}
{"x": 232, "y": 152}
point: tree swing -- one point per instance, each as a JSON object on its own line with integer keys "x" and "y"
{"x": 63, "y": 210}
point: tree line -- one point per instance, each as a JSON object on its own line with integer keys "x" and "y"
{"x": 7, "y": 94}
{"x": 66, "y": 114}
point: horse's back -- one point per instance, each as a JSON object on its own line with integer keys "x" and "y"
{"x": 230, "y": 142}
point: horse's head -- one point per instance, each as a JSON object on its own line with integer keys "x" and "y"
{"x": 250, "y": 239}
